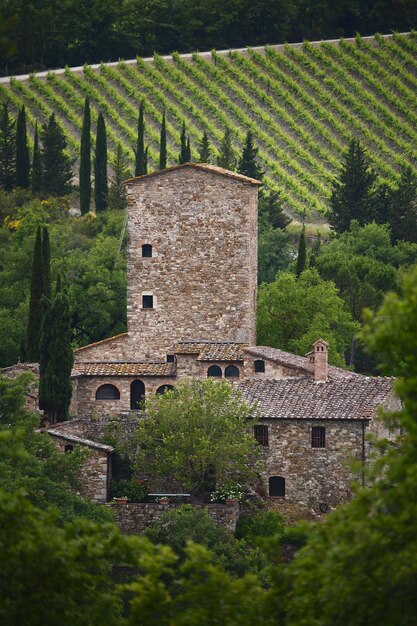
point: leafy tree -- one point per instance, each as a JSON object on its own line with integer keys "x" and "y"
{"x": 205, "y": 149}
{"x": 273, "y": 251}
{"x": 226, "y": 157}
{"x": 352, "y": 191}
{"x": 184, "y": 155}
{"x": 36, "y": 181}
{"x": 302, "y": 253}
{"x": 198, "y": 430}
{"x": 403, "y": 208}
{"x": 163, "y": 145}
{"x": 100, "y": 166}
{"x": 22, "y": 152}
{"x": 117, "y": 191}
{"x": 7, "y": 149}
{"x": 140, "y": 154}
{"x": 271, "y": 206}
{"x": 85, "y": 160}
{"x": 56, "y": 164}
{"x": 248, "y": 165}
{"x": 37, "y": 291}
{"x": 293, "y": 312}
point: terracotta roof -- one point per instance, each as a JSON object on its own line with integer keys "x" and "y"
{"x": 97, "y": 343}
{"x": 125, "y": 369}
{"x": 55, "y": 432}
{"x": 199, "y": 166}
{"x": 302, "y": 398}
{"x": 212, "y": 350}
{"x": 294, "y": 361}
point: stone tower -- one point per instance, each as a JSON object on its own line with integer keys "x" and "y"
{"x": 192, "y": 258}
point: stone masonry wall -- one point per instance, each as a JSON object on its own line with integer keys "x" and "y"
{"x": 112, "y": 349}
{"x": 134, "y": 518}
{"x": 203, "y": 272}
{"x": 313, "y": 476}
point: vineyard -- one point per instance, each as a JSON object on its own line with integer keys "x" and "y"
{"x": 303, "y": 103}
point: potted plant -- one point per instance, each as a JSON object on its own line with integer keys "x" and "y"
{"x": 228, "y": 493}
{"x": 121, "y": 500}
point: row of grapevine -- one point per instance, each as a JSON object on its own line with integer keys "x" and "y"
{"x": 303, "y": 104}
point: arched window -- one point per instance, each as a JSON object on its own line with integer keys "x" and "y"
{"x": 215, "y": 370}
{"x": 147, "y": 250}
{"x": 68, "y": 448}
{"x": 107, "y": 392}
{"x": 137, "y": 395}
{"x": 231, "y": 371}
{"x": 259, "y": 366}
{"x": 163, "y": 388}
{"x": 277, "y": 486}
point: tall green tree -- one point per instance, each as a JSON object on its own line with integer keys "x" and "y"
{"x": 302, "y": 253}
{"x": 352, "y": 191}
{"x": 205, "y": 149}
{"x": 36, "y": 181}
{"x": 100, "y": 166}
{"x": 37, "y": 291}
{"x": 272, "y": 207}
{"x": 22, "y": 152}
{"x": 7, "y": 149}
{"x": 46, "y": 252}
{"x": 57, "y": 355}
{"x": 226, "y": 157}
{"x": 56, "y": 164}
{"x": 163, "y": 145}
{"x": 403, "y": 208}
{"x": 248, "y": 165}
{"x": 117, "y": 191}
{"x": 184, "y": 155}
{"x": 140, "y": 152}
{"x": 85, "y": 160}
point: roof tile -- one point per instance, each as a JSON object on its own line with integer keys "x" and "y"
{"x": 125, "y": 369}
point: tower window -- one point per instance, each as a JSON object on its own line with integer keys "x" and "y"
{"x": 147, "y": 250}
{"x": 277, "y": 486}
{"x": 147, "y": 302}
{"x": 318, "y": 437}
{"x": 215, "y": 370}
{"x": 261, "y": 434}
{"x": 107, "y": 392}
{"x": 231, "y": 371}
{"x": 259, "y": 366}
{"x": 170, "y": 358}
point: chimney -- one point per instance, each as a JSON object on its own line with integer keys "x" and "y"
{"x": 319, "y": 360}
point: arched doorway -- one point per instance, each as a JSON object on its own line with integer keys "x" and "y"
{"x": 137, "y": 394}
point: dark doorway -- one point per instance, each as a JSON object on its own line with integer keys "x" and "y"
{"x": 137, "y": 394}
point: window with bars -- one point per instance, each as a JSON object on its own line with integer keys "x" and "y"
{"x": 261, "y": 434}
{"x": 318, "y": 437}
{"x": 277, "y": 486}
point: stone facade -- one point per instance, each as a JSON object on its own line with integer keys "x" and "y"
{"x": 134, "y": 518}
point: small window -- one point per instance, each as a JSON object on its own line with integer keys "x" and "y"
{"x": 318, "y": 437}
{"x": 147, "y": 302}
{"x": 170, "y": 358}
{"x": 147, "y": 250}
{"x": 215, "y": 370}
{"x": 163, "y": 388}
{"x": 277, "y": 486}
{"x": 231, "y": 371}
{"x": 107, "y": 392}
{"x": 259, "y": 366}
{"x": 261, "y": 434}
{"x": 68, "y": 448}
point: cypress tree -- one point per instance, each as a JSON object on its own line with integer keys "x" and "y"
{"x": 183, "y": 156}
{"x": 117, "y": 192}
{"x": 352, "y": 191}
{"x": 22, "y": 152}
{"x": 7, "y": 149}
{"x": 44, "y": 344}
{"x": 226, "y": 158}
{"x": 205, "y": 150}
{"x": 100, "y": 166}
{"x": 46, "y": 252}
{"x": 145, "y": 161}
{"x": 247, "y": 163}
{"x": 163, "y": 145}
{"x": 36, "y": 184}
{"x": 271, "y": 205}
{"x": 37, "y": 290}
{"x": 57, "y": 360}
{"x": 140, "y": 152}
{"x": 85, "y": 160}
{"x": 403, "y": 208}
{"x": 188, "y": 152}
{"x": 302, "y": 253}
{"x": 56, "y": 164}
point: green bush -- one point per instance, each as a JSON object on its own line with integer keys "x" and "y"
{"x": 131, "y": 489}
{"x": 262, "y": 524}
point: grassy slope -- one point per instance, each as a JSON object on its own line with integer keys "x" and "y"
{"x": 303, "y": 103}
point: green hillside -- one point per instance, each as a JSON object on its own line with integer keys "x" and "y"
{"x": 303, "y": 103}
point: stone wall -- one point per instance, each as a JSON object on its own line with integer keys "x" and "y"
{"x": 203, "y": 273}
{"x": 114, "y": 348}
{"x": 133, "y": 518}
{"x": 313, "y": 476}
